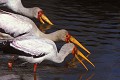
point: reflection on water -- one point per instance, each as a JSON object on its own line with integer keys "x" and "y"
{"x": 43, "y": 73}
{"x": 44, "y": 28}
{"x": 95, "y": 24}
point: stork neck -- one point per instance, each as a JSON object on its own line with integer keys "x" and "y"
{"x": 16, "y": 5}
{"x": 55, "y": 36}
{"x": 63, "y": 53}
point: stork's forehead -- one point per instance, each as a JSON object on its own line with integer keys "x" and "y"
{"x": 37, "y": 9}
{"x": 63, "y": 31}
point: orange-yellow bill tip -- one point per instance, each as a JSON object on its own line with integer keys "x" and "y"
{"x": 46, "y": 19}
{"x": 80, "y": 53}
{"x": 81, "y": 62}
{"x": 72, "y": 39}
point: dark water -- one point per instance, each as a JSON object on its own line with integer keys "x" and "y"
{"x": 95, "y": 23}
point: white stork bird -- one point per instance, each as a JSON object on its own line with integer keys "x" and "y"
{"x": 36, "y": 12}
{"x": 16, "y": 25}
{"x": 40, "y": 49}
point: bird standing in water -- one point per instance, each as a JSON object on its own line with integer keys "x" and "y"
{"x": 35, "y": 50}
{"x": 35, "y": 12}
{"x": 16, "y": 25}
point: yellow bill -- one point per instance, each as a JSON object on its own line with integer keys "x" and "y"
{"x": 44, "y": 18}
{"x": 77, "y": 53}
{"x": 81, "y": 62}
{"x": 72, "y": 39}
{"x": 42, "y": 21}
{"x": 80, "y": 53}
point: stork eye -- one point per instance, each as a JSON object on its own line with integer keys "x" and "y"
{"x": 68, "y": 38}
{"x": 68, "y": 35}
{"x": 40, "y": 14}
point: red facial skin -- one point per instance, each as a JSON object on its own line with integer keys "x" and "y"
{"x": 68, "y": 38}
{"x": 74, "y": 51}
{"x": 40, "y": 14}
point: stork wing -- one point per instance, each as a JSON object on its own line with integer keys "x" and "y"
{"x": 5, "y": 36}
{"x": 14, "y": 24}
{"x": 34, "y": 46}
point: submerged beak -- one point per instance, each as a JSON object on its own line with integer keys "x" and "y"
{"x": 73, "y": 40}
{"x": 76, "y": 52}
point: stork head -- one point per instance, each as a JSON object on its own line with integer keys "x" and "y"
{"x": 41, "y": 16}
{"x": 65, "y": 36}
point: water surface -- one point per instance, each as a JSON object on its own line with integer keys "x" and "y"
{"x": 96, "y": 24}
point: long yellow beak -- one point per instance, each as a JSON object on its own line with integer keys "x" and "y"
{"x": 44, "y": 18}
{"x": 81, "y": 62}
{"x": 76, "y": 53}
{"x": 80, "y": 53}
{"x": 73, "y": 40}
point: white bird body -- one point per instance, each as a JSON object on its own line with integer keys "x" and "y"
{"x": 11, "y": 24}
{"x": 3, "y": 1}
{"x": 40, "y": 49}
{"x": 18, "y": 24}
{"x": 40, "y": 46}
{"x": 37, "y": 45}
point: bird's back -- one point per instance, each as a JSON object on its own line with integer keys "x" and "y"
{"x": 14, "y": 24}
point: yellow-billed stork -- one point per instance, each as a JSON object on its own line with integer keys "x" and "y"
{"x": 17, "y": 25}
{"x": 36, "y": 12}
{"x": 40, "y": 49}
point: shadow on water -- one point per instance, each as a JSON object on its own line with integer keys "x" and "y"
{"x": 94, "y": 23}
